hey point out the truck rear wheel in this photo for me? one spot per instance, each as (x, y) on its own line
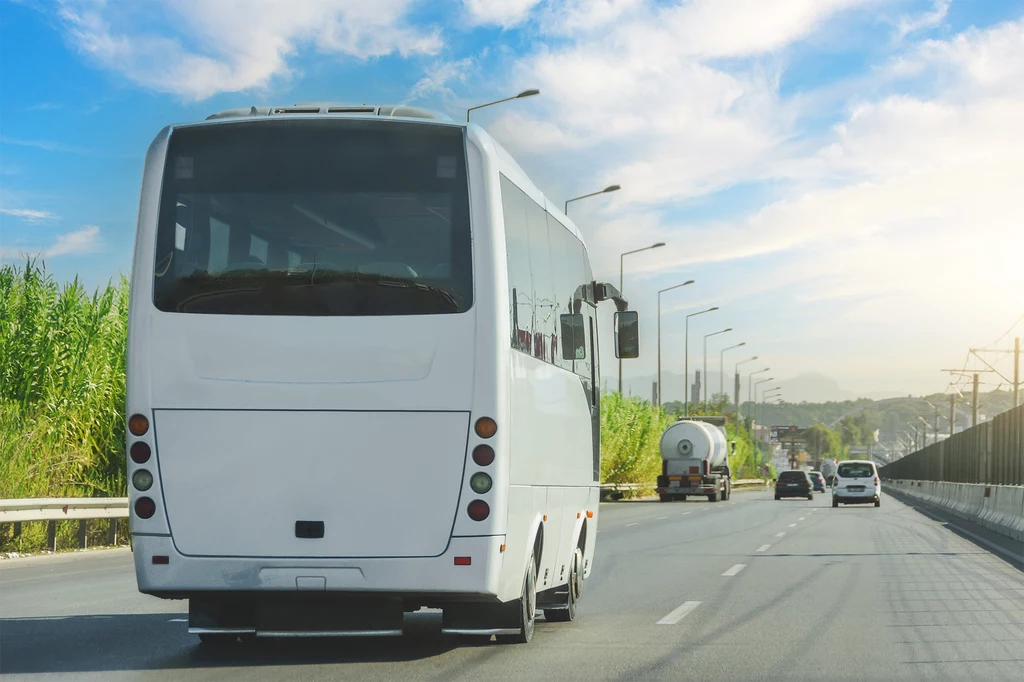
(713, 497)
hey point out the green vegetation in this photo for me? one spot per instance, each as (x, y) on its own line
(630, 432)
(61, 391)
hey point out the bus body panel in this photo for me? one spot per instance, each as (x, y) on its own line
(237, 482)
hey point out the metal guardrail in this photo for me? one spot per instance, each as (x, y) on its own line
(616, 491)
(54, 509)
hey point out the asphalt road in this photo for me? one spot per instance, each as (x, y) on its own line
(752, 589)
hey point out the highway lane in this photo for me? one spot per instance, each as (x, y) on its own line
(750, 589)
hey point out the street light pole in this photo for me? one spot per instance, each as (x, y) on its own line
(621, 256)
(750, 388)
(704, 382)
(739, 412)
(686, 370)
(721, 367)
(609, 188)
(659, 332)
(521, 95)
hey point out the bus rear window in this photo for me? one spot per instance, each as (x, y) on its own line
(314, 217)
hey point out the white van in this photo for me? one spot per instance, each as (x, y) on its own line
(857, 482)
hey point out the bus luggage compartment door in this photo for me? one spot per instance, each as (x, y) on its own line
(254, 483)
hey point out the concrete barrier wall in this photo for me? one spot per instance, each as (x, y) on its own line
(1000, 508)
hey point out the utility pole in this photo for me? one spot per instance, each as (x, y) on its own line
(952, 414)
(1016, 372)
(974, 402)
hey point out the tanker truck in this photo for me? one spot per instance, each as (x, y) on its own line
(694, 461)
(828, 471)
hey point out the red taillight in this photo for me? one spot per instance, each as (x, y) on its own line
(463, 561)
(145, 507)
(483, 455)
(140, 452)
(161, 560)
(876, 480)
(478, 510)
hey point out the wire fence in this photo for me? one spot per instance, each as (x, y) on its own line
(991, 453)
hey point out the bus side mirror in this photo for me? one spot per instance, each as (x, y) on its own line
(574, 338)
(627, 335)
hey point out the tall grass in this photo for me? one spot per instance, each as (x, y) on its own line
(630, 433)
(62, 363)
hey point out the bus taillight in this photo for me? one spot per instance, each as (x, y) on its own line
(140, 452)
(478, 510)
(138, 425)
(483, 455)
(145, 507)
(486, 427)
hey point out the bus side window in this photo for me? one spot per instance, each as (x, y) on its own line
(543, 284)
(517, 251)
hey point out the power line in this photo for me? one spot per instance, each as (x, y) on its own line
(1007, 333)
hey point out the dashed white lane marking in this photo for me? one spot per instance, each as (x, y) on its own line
(734, 570)
(178, 620)
(632, 524)
(779, 535)
(678, 613)
(792, 525)
(763, 548)
(685, 513)
(803, 518)
(661, 518)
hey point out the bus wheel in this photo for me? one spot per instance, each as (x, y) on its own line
(527, 607)
(574, 589)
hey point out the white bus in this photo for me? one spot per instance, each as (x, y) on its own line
(362, 378)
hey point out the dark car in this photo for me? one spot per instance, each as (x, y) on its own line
(794, 483)
(818, 481)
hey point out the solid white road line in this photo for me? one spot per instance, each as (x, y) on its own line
(679, 613)
(779, 535)
(178, 620)
(734, 570)
(763, 548)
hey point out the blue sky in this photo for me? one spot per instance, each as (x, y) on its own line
(833, 173)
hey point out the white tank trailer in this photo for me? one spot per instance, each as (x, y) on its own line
(828, 471)
(694, 461)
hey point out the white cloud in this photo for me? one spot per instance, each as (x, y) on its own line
(85, 240)
(29, 215)
(912, 24)
(196, 48)
(504, 13)
(440, 75)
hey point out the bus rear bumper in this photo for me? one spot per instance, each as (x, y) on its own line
(163, 572)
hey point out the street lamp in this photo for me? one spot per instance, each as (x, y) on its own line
(686, 370)
(765, 396)
(609, 188)
(705, 380)
(750, 389)
(659, 332)
(521, 95)
(739, 412)
(916, 431)
(621, 256)
(721, 367)
(758, 383)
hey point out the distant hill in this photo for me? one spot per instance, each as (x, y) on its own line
(890, 416)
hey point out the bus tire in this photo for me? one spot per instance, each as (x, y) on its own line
(527, 607)
(574, 589)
